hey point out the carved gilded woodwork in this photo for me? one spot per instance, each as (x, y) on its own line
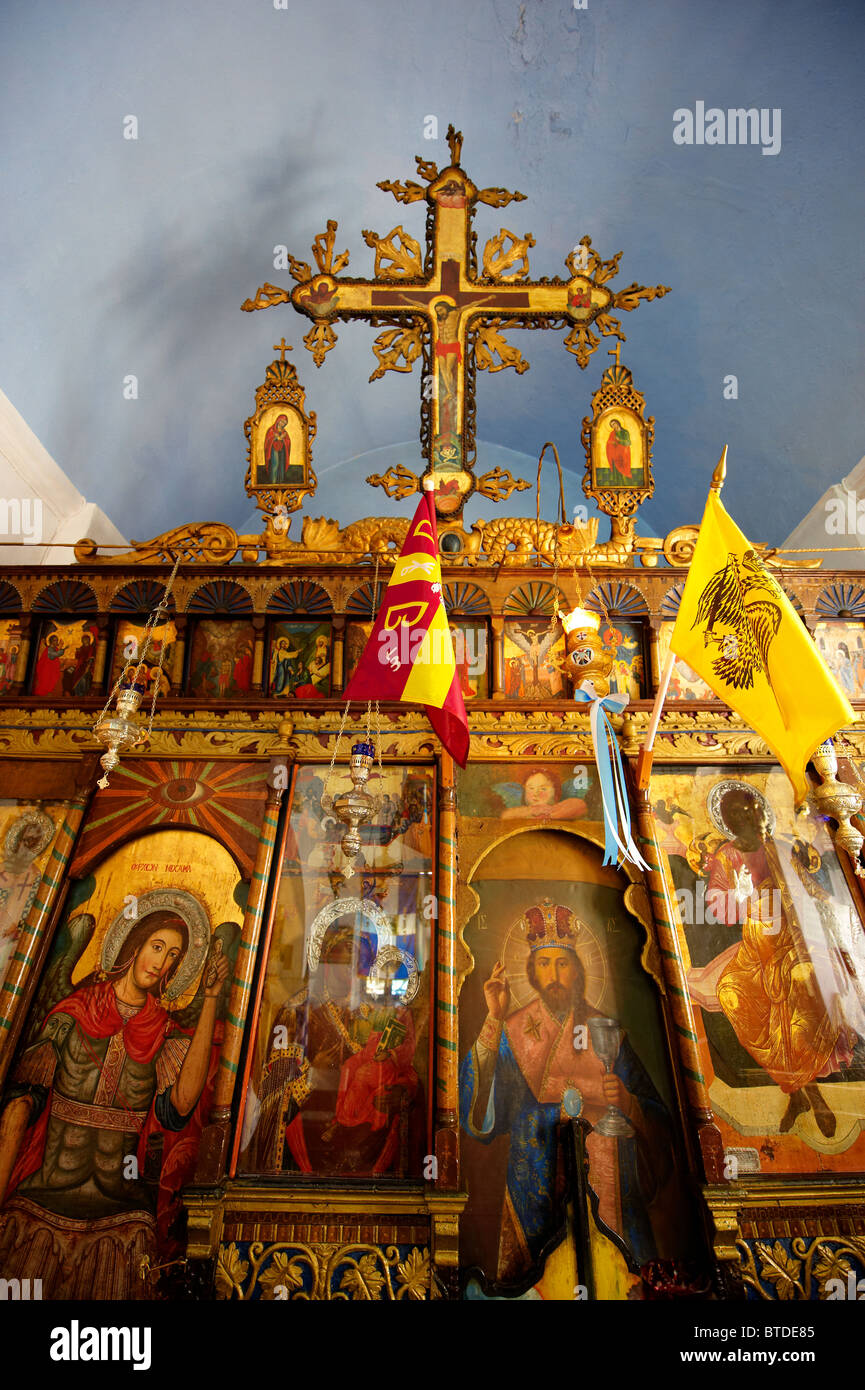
(280, 405)
(356, 1272)
(783, 1240)
(618, 475)
(437, 293)
(256, 1234)
(701, 736)
(396, 350)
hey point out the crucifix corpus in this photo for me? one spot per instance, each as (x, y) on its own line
(433, 304)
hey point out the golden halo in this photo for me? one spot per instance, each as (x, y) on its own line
(187, 906)
(588, 949)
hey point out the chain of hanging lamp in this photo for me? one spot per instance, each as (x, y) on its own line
(116, 727)
(356, 806)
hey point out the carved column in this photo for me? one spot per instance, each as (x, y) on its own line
(497, 675)
(101, 657)
(177, 656)
(258, 654)
(337, 660)
(23, 655)
(662, 893)
(213, 1150)
(447, 1036)
(20, 979)
(655, 652)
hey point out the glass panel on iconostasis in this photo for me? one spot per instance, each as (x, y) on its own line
(775, 958)
(685, 683)
(842, 645)
(340, 1074)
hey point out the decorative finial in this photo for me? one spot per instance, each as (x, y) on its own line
(720, 473)
(614, 352)
(282, 348)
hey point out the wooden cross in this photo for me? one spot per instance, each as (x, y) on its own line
(282, 348)
(614, 352)
(441, 306)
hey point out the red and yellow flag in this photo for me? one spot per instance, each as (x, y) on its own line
(410, 656)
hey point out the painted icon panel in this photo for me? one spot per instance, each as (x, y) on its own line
(65, 654)
(625, 643)
(10, 648)
(129, 637)
(115, 1071)
(618, 453)
(299, 663)
(221, 657)
(533, 652)
(565, 1085)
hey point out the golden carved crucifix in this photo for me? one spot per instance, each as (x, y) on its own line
(440, 307)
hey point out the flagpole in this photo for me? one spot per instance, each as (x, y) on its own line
(646, 754)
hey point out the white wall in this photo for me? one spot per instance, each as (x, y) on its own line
(39, 505)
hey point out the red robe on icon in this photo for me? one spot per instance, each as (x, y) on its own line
(619, 451)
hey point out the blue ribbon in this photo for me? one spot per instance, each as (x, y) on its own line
(611, 774)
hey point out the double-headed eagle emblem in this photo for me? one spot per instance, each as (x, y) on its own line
(741, 600)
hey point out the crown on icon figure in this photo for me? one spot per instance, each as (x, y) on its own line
(551, 924)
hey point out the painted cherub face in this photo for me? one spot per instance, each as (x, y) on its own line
(539, 790)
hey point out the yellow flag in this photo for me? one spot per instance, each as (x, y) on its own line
(739, 630)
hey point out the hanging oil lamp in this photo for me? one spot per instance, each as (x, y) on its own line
(838, 800)
(355, 806)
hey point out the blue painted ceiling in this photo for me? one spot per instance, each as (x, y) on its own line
(256, 124)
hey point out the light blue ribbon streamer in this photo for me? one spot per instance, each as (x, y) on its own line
(611, 774)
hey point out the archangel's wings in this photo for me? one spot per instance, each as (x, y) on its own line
(228, 933)
(547, 642)
(57, 982)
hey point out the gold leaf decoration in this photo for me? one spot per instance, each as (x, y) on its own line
(830, 1264)
(231, 1271)
(506, 256)
(282, 1272)
(413, 1274)
(364, 1280)
(319, 341)
(779, 1269)
(399, 250)
(491, 343)
(393, 346)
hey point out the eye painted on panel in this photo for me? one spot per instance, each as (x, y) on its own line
(184, 791)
